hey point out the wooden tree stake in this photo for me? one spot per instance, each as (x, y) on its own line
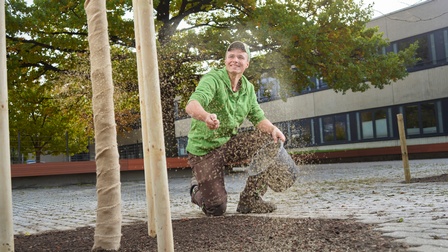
(155, 145)
(6, 223)
(404, 148)
(145, 125)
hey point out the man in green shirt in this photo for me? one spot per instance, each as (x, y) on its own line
(223, 99)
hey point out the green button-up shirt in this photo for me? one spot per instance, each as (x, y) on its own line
(215, 94)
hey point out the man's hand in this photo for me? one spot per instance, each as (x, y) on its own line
(212, 121)
(277, 135)
(195, 110)
(266, 126)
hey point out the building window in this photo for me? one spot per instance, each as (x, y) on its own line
(440, 112)
(327, 129)
(294, 140)
(131, 151)
(412, 125)
(445, 39)
(334, 128)
(422, 118)
(429, 118)
(179, 113)
(307, 131)
(300, 133)
(432, 49)
(366, 125)
(182, 146)
(341, 128)
(381, 123)
(440, 50)
(269, 89)
(374, 124)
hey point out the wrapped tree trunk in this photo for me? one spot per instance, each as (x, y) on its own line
(108, 223)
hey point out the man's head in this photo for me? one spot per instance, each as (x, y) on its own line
(241, 46)
(237, 58)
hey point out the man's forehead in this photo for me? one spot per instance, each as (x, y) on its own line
(237, 53)
(236, 50)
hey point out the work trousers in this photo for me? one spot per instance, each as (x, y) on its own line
(209, 171)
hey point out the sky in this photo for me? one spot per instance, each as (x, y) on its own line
(382, 7)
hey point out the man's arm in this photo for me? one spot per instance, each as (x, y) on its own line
(266, 126)
(196, 111)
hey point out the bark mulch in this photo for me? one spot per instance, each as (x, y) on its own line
(234, 233)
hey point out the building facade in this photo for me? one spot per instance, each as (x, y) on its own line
(321, 119)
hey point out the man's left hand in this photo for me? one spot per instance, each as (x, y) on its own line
(277, 134)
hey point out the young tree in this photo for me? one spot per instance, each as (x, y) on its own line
(49, 80)
(48, 119)
(321, 38)
(108, 223)
(324, 39)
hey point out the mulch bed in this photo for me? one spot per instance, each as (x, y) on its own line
(234, 233)
(230, 233)
(440, 178)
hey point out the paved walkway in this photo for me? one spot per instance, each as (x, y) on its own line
(416, 213)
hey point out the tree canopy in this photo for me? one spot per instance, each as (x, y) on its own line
(291, 40)
(324, 39)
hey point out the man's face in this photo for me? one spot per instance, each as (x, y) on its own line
(236, 61)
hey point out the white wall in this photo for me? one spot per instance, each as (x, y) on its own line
(428, 16)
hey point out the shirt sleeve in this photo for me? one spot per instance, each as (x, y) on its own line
(205, 91)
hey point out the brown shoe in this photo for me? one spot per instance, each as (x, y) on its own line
(255, 205)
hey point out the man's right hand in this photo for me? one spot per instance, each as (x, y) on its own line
(212, 121)
(195, 110)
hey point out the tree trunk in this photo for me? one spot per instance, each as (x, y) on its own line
(108, 223)
(38, 154)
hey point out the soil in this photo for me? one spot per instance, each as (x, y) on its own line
(234, 233)
(230, 233)
(440, 178)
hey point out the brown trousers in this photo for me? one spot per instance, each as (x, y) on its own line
(209, 171)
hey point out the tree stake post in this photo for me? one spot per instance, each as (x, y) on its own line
(155, 145)
(145, 125)
(6, 223)
(404, 148)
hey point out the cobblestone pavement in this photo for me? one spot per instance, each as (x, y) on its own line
(374, 192)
